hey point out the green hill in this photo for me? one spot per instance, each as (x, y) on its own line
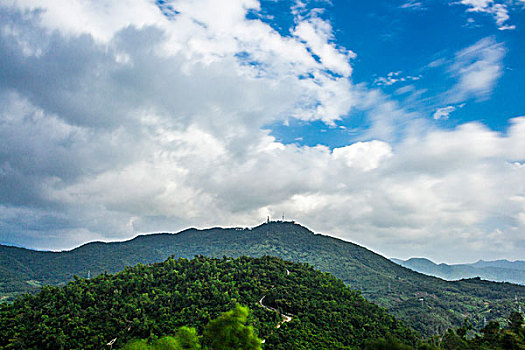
(156, 300)
(428, 304)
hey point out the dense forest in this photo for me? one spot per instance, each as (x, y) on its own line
(147, 302)
(492, 337)
(430, 305)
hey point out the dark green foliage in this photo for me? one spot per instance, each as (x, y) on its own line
(492, 337)
(164, 343)
(229, 331)
(381, 281)
(145, 302)
(516, 323)
(386, 344)
(451, 340)
(187, 338)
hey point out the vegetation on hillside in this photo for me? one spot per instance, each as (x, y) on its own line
(229, 331)
(148, 302)
(491, 337)
(430, 305)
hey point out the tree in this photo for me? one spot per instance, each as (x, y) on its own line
(229, 331)
(491, 332)
(387, 344)
(463, 330)
(452, 341)
(187, 338)
(516, 322)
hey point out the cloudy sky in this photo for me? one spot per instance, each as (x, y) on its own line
(395, 124)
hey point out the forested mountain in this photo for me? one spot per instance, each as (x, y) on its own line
(498, 271)
(153, 301)
(428, 304)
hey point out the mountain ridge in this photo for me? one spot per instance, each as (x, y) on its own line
(376, 277)
(497, 270)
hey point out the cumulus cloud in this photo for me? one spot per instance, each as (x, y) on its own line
(497, 10)
(363, 155)
(477, 69)
(145, 105)
(114, 124)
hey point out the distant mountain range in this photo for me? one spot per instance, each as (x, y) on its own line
(497, 270)
(430, 305)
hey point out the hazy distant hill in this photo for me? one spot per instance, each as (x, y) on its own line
(156, 300)
(499, 270)
(427, 303)
(505, 264)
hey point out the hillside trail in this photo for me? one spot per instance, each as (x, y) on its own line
(285, 317)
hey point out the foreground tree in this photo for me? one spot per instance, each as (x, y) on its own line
(230, 331)
(186, 339)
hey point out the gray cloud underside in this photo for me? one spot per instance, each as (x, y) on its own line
(158, 126)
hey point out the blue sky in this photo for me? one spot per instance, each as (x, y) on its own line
(398, 125)
(406, 48)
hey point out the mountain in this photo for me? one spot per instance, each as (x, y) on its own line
(498, 271)
(145, 301)
(430, 305)
(505, 264)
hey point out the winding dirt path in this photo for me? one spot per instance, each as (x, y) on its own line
(285, 317)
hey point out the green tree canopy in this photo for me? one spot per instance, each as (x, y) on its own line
(230, 331)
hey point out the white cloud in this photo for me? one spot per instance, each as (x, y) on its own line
(101, 19)
(477, 68)
(497, 10)
(363, 155)
(393, 78)
(412, 5)
(114, 125)
(120, 108)
(317, 34)
(443, 112)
